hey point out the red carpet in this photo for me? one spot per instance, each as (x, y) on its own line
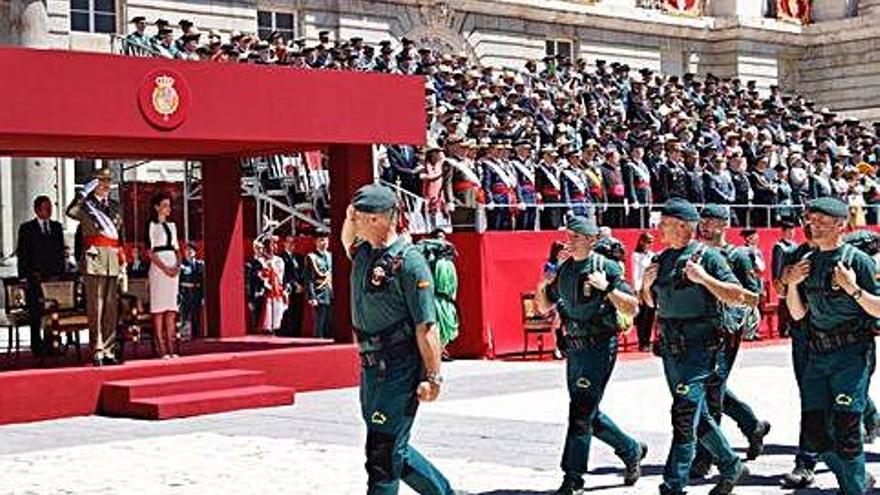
(38, 394)
(191, 394)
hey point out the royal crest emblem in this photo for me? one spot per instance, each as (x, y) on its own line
(165, 98)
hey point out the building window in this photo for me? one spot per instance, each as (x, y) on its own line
(283, 22)
(93, 16)
(561, 48)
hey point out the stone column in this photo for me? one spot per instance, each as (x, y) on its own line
(31, 177)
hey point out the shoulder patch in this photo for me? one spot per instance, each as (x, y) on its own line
(423, 284)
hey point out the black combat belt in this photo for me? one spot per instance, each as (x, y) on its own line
(579, 342)
(828, 341)
(393, 343)
(190, 285)
(679, 344)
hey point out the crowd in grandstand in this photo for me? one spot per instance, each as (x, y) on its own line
(527, 146)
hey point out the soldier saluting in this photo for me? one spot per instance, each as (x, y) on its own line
(393, 312)
(100, 219)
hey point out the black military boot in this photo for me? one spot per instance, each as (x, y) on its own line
(726, 486)
(756, 440)
(633, 471)
(701, 466)
(570, 487)
(800, 477)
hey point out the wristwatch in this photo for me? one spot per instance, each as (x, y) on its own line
(857, 294)
(434, 379)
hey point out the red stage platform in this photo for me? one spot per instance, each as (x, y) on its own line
(268, 365)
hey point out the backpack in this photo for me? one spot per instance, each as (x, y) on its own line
(864, 240)
(434, 251)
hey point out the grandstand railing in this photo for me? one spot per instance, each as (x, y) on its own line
(120, 45)
(648, 216)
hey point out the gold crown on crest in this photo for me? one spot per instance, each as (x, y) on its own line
(165, 81)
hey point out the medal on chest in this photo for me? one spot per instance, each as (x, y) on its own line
(378, 276)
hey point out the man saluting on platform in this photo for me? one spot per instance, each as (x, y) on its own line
(100, 219)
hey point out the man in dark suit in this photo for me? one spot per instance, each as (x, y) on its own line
(291, 324)
(40, 256)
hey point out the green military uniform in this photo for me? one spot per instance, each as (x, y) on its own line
(100, 220)
(690, 324)
(840, 346)
(590, 321)
(391, 294)
(719, 398)
(805, 461)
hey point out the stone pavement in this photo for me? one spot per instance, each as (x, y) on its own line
(498, 430)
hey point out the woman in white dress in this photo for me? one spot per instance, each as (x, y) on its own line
(164, 270)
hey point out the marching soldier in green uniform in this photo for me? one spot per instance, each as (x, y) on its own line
(714, 220)
(100, 219)
(833, 294)
(392, 301)
(805, 461)
(588, 291)
(688, 284)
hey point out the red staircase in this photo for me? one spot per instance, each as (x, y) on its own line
(191, 394)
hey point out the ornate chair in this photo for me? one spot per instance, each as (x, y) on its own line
(16, 314)
(534, 323)
(66, 313)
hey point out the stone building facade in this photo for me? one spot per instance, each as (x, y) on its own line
(834, 61)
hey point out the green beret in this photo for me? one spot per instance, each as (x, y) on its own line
(582, 225)
(374, 198)
(714, 211)
(681, 209)
(832, 207)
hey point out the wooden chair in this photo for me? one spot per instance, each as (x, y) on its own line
(534, 323)
(65, 308)
(16, 313)
(135, 320)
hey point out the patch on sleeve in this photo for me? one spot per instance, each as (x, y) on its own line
(423, 284)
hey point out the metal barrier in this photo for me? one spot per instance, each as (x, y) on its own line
(122, 46)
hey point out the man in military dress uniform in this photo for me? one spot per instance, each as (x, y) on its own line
(192, 271)
(588, 291)
(319, 285)
(138, 38)
(100, 219)
(833, 293)
(714, 220)
(464, 186)
(392, 301)
(686, 285)
(781, 249)
(500, 187)
(524, 167)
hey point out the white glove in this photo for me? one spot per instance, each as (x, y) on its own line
(91, 186)
(599, 280)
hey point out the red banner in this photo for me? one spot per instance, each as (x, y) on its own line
(690, 8)
(796, 11)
